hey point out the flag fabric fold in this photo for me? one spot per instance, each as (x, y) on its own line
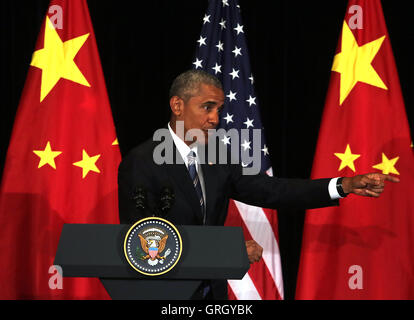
(363, 248)
(62, 160)
(222, 51)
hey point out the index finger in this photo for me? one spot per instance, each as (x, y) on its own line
(391, 178)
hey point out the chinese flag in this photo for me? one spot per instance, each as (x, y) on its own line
(62, 160)
(362, 249)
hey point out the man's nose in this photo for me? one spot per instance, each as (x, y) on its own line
(214, 118)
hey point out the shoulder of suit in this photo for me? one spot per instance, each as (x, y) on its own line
(139, 154)
(144, 148)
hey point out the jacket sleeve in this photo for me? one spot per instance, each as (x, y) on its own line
(270, 192)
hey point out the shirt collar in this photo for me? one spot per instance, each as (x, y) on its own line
(182, 148)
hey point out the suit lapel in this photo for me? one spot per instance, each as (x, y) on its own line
(211, 185)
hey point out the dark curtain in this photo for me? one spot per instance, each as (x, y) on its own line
(144, 44)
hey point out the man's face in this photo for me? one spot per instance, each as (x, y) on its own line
(202, 110)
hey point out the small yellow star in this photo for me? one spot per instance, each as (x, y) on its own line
(47, 156)
(354, 63)
(347, 158)
(387, 166)
(56, 60)
(115, 143)
(87, 163)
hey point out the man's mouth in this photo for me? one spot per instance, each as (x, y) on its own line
(209, 131)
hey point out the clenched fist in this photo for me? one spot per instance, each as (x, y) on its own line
(254, 251)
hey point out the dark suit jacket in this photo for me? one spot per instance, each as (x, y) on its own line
(222, 182)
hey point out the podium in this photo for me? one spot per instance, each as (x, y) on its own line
(96, 251)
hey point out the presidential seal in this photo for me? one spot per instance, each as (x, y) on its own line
(153, 246)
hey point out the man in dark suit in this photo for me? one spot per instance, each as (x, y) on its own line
(203, 188)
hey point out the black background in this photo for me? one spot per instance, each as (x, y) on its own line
(143, 45)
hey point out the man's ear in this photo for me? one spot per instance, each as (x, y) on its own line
(176, 105)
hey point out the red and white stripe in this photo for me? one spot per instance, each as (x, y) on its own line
(264, 279)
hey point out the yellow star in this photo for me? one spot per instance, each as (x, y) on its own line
(347, 158)
(115, 143)
(387, 166)
(87, 163)
(47, 156)
(56, 60)
(354, 63)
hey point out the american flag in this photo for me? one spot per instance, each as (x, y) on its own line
(222, 51)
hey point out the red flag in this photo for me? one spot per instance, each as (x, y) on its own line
(363, 248)
(62, 161)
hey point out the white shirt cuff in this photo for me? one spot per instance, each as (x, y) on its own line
(333, 192)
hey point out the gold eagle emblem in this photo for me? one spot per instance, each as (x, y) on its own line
(153, 248)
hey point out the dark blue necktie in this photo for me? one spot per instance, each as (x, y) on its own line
(196, 182)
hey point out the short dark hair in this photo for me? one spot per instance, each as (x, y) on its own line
(186, 84)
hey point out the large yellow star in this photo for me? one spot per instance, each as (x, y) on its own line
(354, 63)
(56, 60)
(387, 166)
(47, 156)
(347, 158)
(87, 163)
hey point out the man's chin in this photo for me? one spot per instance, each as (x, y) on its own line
(203, 139)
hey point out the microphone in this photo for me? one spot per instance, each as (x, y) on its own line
(166, 201)
(140, 198)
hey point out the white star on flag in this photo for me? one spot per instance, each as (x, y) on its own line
(222, 24)
(234, 74)
(251, 79)
(220, 46)
(202, 41)
(239, 29)
(251, 100)
(232, 96)
(226, 140)
(216, 68)
(265, 150)
(237, 51)
(206, 19)
(228, 118)
(246, 145)
(197, 63)
(248, 123)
